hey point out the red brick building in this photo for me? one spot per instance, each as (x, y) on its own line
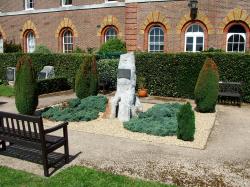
(145, 25)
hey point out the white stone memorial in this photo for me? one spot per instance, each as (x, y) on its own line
(125, 104)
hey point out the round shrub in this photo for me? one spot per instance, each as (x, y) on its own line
(207, 87)
(42, 49)
(112, 46)
(86, 81)
(26, 96)
(186, 123)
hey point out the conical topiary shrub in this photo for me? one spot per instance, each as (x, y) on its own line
(86, 81)
(26, 96)
(186, 123)
(207, 87)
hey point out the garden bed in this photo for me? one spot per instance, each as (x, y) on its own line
(113, 127)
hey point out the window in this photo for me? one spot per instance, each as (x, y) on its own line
(156, 39)
(108, 1)
(1, 44)
(29, 4)
(194, 38)
(110, 33)
(66, 2)
(67, 41)
(236, 39)
(31, 42)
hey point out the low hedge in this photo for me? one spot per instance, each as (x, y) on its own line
(53, 85)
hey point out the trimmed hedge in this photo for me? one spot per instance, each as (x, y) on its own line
(53, 85)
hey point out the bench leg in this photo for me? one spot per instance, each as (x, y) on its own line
(45, 163)
(66, 145)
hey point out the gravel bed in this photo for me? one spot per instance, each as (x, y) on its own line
(113, 127)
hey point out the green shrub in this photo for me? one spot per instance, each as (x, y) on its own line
(53, 85)
(78, 50)
(107, 69)
(207, 87)
(11, 47)
(42, 49)
(86, 81)
(26, 96)
(113, 45)
(160, 120)
(86, 109)
(186, 123)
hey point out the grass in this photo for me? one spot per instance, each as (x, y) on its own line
(74, 176)
(7, 91)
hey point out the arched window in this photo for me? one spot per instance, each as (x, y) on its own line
(111, 32)
(1, 43)
(30, 42)
(236, 39)
(67, 41)
(194, 38)
(156, 39)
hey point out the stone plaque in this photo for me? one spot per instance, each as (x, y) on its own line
(124, 73)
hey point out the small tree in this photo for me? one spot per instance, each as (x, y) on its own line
(207, 87)
(186, 123)
(26, 96)
(113, 45)
(86, 81)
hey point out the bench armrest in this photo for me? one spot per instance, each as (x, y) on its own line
(57, 127)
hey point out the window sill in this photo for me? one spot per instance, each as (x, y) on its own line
(29, 9)
(67, 5)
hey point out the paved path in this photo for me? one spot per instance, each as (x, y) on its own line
(225, 161)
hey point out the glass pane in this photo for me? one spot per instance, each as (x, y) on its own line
(236, 38)
(236, 29)
(190, 40)
(161, 38)
(157, 47)
(200, 29)
(151, 38)
(189, 47)
(235, 47)
(190, 29)
(151, 48)
(157, 31)
(157, 38)
(242, 39)
(161, 47)
(199, 40)
(230, 39)
(195, 28)
(199, 47)
(230, 47)
(241, 47)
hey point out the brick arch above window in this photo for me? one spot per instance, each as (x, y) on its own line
(2, 33)
(109, 21)
(155, 17)
(200, 17)
(235, 15)
(66, 23)
(29, 25)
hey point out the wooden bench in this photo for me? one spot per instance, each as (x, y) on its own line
(230, 93)
(28, 131)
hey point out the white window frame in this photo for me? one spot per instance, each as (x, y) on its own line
(113, 36)
(156, 43)
(194, 35)
(63, 36)
(30, 41)
(64, 5)
(240, 34)
(28, 2)
(1, 44)
(108, 1)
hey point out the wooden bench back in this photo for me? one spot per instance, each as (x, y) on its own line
(21, 126)
(231, 87)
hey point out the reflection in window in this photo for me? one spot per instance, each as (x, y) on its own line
(236, 39)
(156, 39)
(31, 42)
(194, 38)
(110, 33)
(67, 41)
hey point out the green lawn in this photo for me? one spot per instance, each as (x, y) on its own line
(74, 176)
(7, 91)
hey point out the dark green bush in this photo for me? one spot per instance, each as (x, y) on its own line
(86, 109)
(26, 96)
(42, 49)
(11, 47)
(86, 81)
(113, 45)
(207, 87)
(160, 120)
(53, 85)
(186, 123)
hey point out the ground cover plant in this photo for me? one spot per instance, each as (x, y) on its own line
(74, 176)
(86, 109)
(160, 120)
(6, 90)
